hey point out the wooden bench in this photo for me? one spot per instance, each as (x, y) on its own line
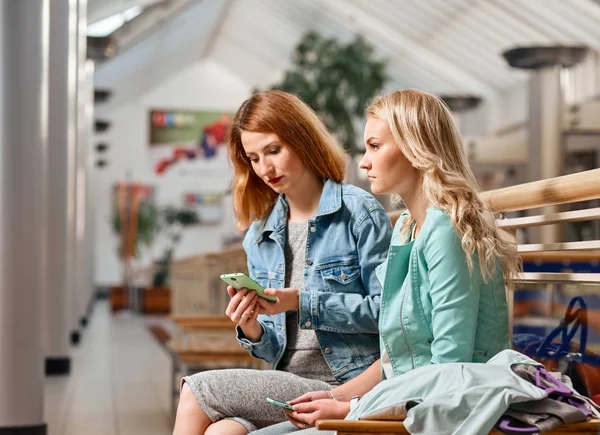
(573, 188)
(364, 427)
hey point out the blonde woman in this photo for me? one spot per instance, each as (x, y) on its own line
(314, 243)
(443, 296)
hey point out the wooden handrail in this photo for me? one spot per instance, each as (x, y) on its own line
(582, 186)
(558, 256)
(202, 323)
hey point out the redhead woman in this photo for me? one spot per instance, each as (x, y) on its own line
(314, 243)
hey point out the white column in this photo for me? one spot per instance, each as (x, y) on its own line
(58, 299)
(23, 146)
(80, 291)
(546, 145)
(91, 184)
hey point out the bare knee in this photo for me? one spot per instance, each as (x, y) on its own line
(226, 426)
(190, 418)
(186, 397)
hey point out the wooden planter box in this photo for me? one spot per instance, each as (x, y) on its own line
(151, 300)
(156, 300)
(119, 298)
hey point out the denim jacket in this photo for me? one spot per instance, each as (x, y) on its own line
(347, 239)
(433, 309)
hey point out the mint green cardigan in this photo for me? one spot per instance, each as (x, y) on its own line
(433, 310)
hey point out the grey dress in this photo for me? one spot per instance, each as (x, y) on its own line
(240, 394)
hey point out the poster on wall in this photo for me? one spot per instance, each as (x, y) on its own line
(188, 142)
(208, 206)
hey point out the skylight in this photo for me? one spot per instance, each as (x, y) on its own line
(108, 25)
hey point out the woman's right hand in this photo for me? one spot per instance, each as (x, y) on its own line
(243, 309)
(309, 397)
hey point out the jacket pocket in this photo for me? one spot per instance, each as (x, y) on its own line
(268, 279)
(342, 278)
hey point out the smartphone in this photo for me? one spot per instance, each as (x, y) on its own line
(280, 404)
(240, 280)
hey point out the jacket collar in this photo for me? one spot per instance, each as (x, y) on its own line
(330, 202)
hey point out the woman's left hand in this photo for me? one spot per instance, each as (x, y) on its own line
(287, 300)
(306, 414)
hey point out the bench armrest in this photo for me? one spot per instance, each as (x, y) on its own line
(363, 427)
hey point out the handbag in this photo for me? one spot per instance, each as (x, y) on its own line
(559, 351)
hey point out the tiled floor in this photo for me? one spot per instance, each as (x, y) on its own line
(119, 382)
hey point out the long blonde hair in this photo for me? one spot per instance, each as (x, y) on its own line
(424, 130)
(299, 128)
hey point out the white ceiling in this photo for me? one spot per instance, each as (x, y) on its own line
(443, 46)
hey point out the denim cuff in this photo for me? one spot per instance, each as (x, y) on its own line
(308, 310)
(247, 344)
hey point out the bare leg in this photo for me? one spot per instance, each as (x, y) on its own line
(190, 419)
(226, 427)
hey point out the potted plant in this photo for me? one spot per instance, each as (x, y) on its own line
(153, 222)
(173, 221)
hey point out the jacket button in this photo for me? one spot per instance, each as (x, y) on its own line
(313, 229)
(327, 350)
(343, 276)
(307, 324)
(309, 261)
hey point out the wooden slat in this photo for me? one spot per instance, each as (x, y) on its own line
(576, 278)
(196, 323)
(561, 256)
(363, 427)
(565, 246)
(551, 218)
(200, 357)
(582, 186)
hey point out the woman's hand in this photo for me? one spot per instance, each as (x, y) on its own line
(309, 397)
(287, 300)
(243, 310)
(306, 414)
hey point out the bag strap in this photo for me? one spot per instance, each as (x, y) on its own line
(578, 319)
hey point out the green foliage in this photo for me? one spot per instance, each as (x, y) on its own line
(337, 80)
(172, 216)
(153, 221)
(182, 216)
(148, 225)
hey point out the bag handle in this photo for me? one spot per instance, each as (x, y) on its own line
(578, 319)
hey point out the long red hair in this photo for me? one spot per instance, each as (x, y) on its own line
(297, 127)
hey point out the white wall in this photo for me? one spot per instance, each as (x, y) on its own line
(203, 85)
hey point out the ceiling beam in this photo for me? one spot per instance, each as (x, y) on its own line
(153, 18)
(100, 9)
(403, 45)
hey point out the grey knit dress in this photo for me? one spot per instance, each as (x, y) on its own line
(240, 394)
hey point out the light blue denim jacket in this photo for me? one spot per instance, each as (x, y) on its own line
(347, 239)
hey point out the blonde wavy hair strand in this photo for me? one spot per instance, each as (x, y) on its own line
(423, 128)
